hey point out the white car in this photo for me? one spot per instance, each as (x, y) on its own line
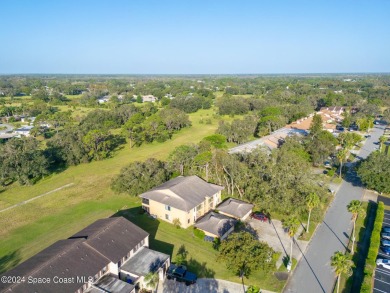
(384, 263)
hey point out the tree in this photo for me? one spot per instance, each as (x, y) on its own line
(22, 160)
(134, 130)
(355, 207)
(182, 157)
(312, 201)
(341, 157)
(291, 224)
(320, 145)
(315, 126)
(98, 144)
(374, 172)
(243, 253)
(342, 265)
(151, 280)
(139, 177)
(382, 141)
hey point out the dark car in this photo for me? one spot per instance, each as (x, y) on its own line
(386, 250)
(386, 229)
(180, 274)
(259, 216)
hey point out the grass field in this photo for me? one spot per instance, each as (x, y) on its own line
(27, 229)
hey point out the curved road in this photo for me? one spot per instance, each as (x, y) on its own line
(314, 272)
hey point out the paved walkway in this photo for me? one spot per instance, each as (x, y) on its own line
(202, 286)
(34, 198)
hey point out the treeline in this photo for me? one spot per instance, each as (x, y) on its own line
(26, 161)
(279, 182)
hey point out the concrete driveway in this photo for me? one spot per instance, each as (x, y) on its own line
(201, 286)
(273, 234)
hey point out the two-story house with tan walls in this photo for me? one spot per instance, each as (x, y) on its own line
(185, 198)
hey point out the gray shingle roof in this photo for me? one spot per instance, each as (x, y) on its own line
(84, 254)
(183, 193)
(110, 283)
(112, 237)
(235, 207)
(215, 223)
(144, 262)
(70, 258)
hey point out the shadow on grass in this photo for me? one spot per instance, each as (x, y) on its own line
(9, 261)
(137, 216)
(200, 268)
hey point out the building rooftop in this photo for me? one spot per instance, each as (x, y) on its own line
(215, 223)
(144, 262)
(235, 207)
(183, 193)
(110, 283)
(112, 237)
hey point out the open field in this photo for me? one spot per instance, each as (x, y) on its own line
(26, 230)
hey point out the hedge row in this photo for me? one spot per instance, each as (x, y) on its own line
(373, 250)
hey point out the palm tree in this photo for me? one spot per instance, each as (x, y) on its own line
(341, 156)
(355, 207)
(312, 201)
(342, 264)
(291, 224)
(382, 140)
(151, 280)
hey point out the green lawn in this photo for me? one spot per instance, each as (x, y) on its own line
(202, 258)
(26, 230)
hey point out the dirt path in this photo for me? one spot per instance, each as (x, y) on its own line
(34, 198)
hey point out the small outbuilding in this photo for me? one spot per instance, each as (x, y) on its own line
(235, 208)
(216, 225)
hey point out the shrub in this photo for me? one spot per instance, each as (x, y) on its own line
(176, 223)
(253, 289)
(199, 233)
(373, 250)
(331, 173)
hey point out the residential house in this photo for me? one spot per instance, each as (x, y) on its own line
(216, 225)
(183, 198)
(25, 130)
(89, 261)
(149, 98)
(235, 208)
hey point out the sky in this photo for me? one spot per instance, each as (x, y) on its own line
(194, 37)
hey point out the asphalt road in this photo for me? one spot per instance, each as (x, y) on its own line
(314, 272)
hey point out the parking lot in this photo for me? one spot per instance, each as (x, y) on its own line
(274, 235)
(382, 275)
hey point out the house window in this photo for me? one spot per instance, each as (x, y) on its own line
(145, 201)
(168, 208)
(167, 217)
(188, 221)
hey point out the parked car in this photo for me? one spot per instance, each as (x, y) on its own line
(367, 136)
(180, 274)
(386, 250)
(386, 229)
(327, 164)
(384, 263)
(385, 236)
(259, 216)
(385, 243)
